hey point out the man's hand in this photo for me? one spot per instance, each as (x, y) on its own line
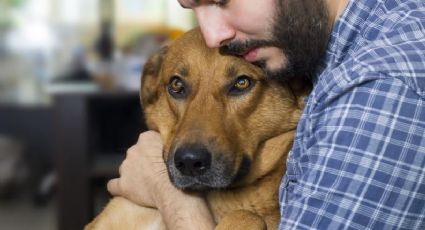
(144, 181)
(143, 172)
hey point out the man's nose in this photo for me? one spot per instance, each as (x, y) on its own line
(216, 30)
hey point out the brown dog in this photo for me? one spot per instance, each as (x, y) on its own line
(226, 128)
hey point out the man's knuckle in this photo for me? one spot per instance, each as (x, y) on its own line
(131, 151)
(120, 169)
(147, 136)
(143, 135)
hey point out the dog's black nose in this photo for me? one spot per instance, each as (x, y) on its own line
(193, 160)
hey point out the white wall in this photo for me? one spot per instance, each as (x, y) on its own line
(179, 17)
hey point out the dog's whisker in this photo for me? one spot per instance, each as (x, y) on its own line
(154, 156)
(162, 172)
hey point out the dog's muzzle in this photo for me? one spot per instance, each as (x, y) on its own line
(193, 161)
(195, 167)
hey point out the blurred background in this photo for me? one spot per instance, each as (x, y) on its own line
(69, 108)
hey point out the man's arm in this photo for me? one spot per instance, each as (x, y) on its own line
(362, 165)
(182, 211)
(144, 180)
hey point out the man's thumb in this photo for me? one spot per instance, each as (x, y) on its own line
(113, 187)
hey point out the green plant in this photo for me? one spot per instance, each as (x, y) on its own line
(5, 17)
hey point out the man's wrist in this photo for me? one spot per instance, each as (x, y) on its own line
(181, 210)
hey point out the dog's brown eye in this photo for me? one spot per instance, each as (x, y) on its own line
(176, 87)
(241, 85)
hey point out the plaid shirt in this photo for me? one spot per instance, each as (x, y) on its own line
(358, 160)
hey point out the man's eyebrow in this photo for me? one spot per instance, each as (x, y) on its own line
(192, 4)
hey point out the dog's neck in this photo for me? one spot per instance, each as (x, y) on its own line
(271, 154)
(259, 190)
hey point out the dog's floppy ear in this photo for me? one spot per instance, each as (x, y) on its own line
(300, 88)
(150, 78)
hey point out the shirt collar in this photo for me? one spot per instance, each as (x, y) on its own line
(345, 32)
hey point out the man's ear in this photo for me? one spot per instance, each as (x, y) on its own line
(150, 77)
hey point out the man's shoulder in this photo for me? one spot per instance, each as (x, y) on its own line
(389, 45)
(400, 56)
(393, 41)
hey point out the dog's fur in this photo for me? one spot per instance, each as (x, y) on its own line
(247, 132)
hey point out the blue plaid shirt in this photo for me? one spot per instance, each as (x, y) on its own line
(358, 160)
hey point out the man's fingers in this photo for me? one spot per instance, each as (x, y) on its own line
(113, 187)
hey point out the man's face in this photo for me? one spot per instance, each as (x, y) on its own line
(285, 37)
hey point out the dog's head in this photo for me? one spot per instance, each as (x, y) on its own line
(214, 112)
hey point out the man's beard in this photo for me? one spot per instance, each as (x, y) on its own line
(301, 30)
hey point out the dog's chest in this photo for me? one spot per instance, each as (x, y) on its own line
(261, 200)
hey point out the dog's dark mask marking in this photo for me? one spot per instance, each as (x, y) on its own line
(243, 169)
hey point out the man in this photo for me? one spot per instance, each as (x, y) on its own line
(358, 160)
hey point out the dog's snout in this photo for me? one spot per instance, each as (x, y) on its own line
(192, 161)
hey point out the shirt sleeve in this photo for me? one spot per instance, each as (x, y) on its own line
(363, 163)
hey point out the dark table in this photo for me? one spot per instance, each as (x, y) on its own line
(92, 132)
